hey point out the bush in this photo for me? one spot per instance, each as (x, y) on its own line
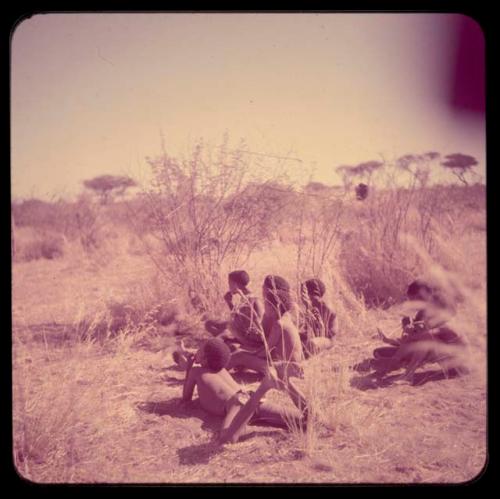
(209, 212)
(35, 245)
(378, 257)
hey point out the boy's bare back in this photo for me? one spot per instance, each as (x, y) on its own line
(214, 389)
(288, 347)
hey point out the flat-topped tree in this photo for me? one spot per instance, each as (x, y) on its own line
(109, 186)
(418, 165)
(459, 165)
(345, 171)
(361, 171)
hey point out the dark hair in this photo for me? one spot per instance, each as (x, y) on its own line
(315, 287)
(276, 283)
(217, 354)
(415, 287)
(240, 277)
(280, 299)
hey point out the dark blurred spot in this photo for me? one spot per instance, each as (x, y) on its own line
(468, 83)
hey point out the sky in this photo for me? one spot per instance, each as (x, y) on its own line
(93, 94)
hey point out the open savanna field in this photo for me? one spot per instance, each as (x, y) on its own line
(98, 307)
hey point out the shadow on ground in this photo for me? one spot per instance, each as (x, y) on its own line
(200, 453)
(177, 408)
(371, 382)
(203, 453)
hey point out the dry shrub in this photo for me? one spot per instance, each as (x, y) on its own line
(153, 319)
(379, 263)
(45, 414)
(31, 244)
(210, 209)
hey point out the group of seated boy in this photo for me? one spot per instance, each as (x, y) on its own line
(262, 335)
(272, 336)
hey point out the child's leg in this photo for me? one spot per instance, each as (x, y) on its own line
(419, 353)
(384, 352)
(242, 337)
(241, 358)
(226, 336)
(274, 415)
(297, 397)
(285, 372)
(416, 361)
(232, 408)
(216, 327)
(397, 361)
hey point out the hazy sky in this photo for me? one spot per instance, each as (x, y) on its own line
(91, 92)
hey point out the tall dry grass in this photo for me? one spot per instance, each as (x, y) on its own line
(365, 252)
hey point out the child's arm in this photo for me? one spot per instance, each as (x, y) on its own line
(190, 381)
(228, 298)
(259, 309)
(389, 341)
(332, 325)
(272, 341)
(274, 337)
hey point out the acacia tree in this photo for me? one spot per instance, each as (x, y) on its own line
(362, 171)
(418, 165)
(108, 187)
(459, 165)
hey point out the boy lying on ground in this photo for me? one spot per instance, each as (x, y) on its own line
(219, 393)
(318, 324)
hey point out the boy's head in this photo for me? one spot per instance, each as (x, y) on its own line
(275, 283)
(419, 290)
(213, 354)
(278, 302)
(238, 279)
(315, 288)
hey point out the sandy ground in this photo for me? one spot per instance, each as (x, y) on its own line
(85, 413)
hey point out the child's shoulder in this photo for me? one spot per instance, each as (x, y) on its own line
(325, 305)
(200, 371)
(286, 322)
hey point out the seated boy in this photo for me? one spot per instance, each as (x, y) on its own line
(420, 292)
(244, 325)
(254, 357)
(318, 324)
(422, 339)
(277, 283)
(219, 393)
(426, 347)
(246, 314)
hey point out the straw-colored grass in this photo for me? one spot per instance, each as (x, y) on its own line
(94, 410)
